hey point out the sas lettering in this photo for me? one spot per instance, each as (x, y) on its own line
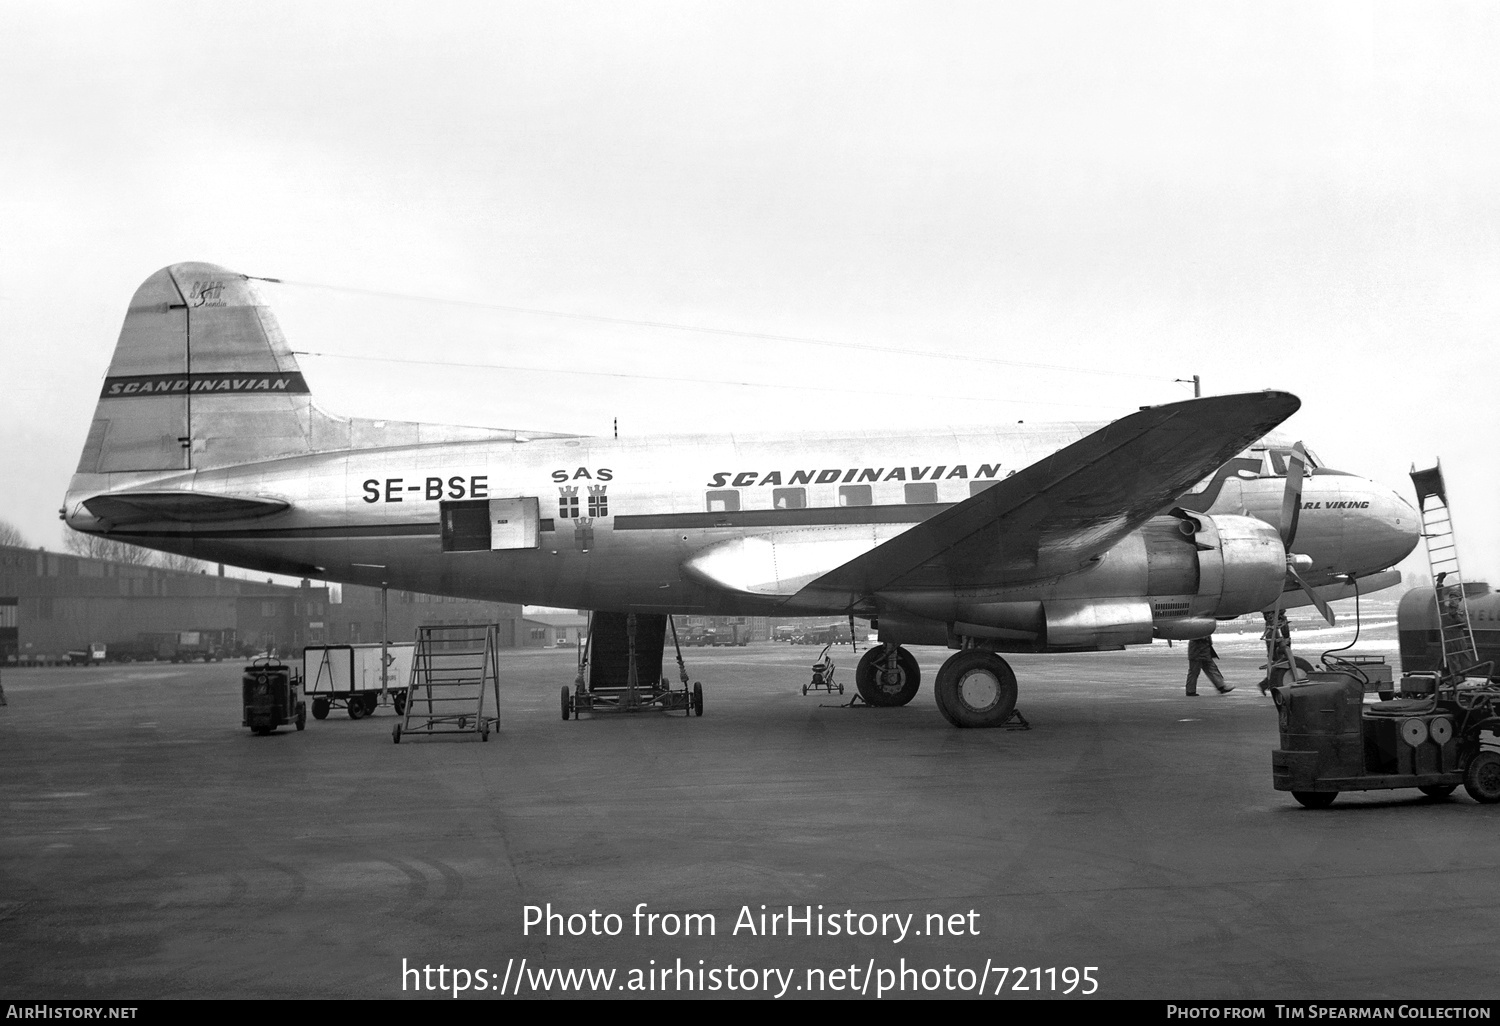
(431, 488)
(602, 473)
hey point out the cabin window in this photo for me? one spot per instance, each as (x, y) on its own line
(921, 491)
(789, 498)
(725, 501)
(975, 487)
(855, 495)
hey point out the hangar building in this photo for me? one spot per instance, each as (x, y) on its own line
(54, 603)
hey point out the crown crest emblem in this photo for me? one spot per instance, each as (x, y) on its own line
(597, 489)
(568, 491)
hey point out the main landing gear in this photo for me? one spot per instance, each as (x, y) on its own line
(887, 675)
(976, 688)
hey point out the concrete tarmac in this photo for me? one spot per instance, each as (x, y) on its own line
(152, 847)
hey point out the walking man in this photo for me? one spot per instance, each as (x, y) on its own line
(1202, 657)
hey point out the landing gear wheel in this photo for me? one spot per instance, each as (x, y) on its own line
(1315, 799)
(697, 699)
(398, 700)
(1438, 790)
(883, 684)
(1482, 778)
(301, 715)
(567, 703)
(356, 705)
(976, 689)
(396, 733)
(320, 708)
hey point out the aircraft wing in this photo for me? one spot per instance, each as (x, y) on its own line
(1059, 513)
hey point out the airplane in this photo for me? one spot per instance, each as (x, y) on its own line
(207, 442)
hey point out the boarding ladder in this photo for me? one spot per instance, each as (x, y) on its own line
(1459, 652)
(455, 673)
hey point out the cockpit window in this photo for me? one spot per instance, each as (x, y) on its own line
(1278, 460)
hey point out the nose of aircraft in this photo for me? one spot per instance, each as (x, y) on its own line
(1371, 527)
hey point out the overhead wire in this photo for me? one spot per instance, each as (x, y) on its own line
(774, 386)
(969, 358)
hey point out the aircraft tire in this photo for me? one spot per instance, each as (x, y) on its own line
(1315, 799)
(887, 693)
(1482, 778)
(975, 688)
(320, 708)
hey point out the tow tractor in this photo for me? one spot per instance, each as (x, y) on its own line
(271, 696)
(1431, 738)
(1441, 731)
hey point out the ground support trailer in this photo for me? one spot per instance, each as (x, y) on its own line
(350, 677)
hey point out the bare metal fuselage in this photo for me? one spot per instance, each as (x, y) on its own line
(653, 528)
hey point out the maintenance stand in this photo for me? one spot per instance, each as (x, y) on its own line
(454, 671)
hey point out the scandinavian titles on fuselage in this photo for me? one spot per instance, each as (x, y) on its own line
(396, 489)
(845, 475)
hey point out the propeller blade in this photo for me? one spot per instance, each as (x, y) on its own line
(1317, 600)
(1291, 497)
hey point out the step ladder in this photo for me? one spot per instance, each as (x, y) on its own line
(620, 668)
(455, 672)
(1460, 656)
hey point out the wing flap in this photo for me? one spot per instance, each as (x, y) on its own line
(1057, 514)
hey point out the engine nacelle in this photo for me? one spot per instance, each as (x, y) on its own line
(1241, 564)
(1174, 578)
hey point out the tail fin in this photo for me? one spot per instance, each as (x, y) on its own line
(201, 377)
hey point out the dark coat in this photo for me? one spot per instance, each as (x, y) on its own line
(1202, 650)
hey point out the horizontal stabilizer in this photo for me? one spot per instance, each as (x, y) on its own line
(186, 507)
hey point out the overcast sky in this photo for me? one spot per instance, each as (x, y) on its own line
(1298, 196)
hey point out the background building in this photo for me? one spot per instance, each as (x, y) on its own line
(53, 604)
